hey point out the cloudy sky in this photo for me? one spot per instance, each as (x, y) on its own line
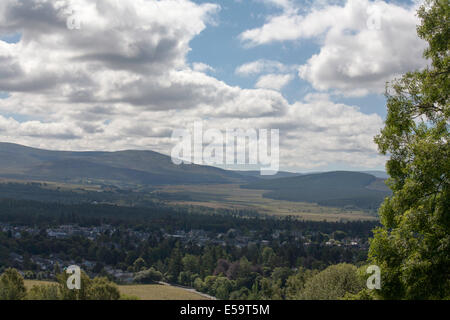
(135, 70)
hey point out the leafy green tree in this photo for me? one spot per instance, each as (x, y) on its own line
(365, 293)
(412, 247)
(269, 257)
(241, 294)
(99, 288)
(296, 283)
(44, 292)
(199, 285)
(339, 235)
(148, 276)
(56, 268)
(139, 264)
(255, 294)
(333, 283)
(224, 286)
(209, 285)
(187, 278)
(12, 286)
(270, 289)
(75, 294)
(103, 289)
(175, 265)
(281, 275)
(190, 263)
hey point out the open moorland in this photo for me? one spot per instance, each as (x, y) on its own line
(233, 196)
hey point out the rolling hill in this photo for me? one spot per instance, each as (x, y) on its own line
(257, 175)
(339, 189)
(121, 168)
(131, 168)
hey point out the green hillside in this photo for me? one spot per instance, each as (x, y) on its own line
(340, 188)
(120, 168)
(257, 175)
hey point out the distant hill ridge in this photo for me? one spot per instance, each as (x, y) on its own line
(338, 188)
(119, 168)
(132, 168)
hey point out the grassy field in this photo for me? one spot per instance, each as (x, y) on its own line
(143, 292)
(159, 292)
(55, 185)
(232, 196)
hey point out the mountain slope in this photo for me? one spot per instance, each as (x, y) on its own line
(118, 168)
(377, 173)
(340, 188)
(257, 174)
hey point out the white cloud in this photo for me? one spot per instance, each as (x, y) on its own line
(262, 66)
(37, 129)
(202, 67)
(273, 81)
(124, 83)
(284, 4)
(317, 132)
(363, 44)
(326, 132)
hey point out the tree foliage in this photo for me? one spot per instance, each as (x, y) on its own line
(148, 276)
(413, 245)
(333, 283)
(12, 286)
(44, 292)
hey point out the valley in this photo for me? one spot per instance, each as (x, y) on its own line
(141, 178)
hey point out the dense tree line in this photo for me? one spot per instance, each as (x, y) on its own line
(275, 270)
(162, 216)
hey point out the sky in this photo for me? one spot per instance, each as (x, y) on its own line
(123, 74)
